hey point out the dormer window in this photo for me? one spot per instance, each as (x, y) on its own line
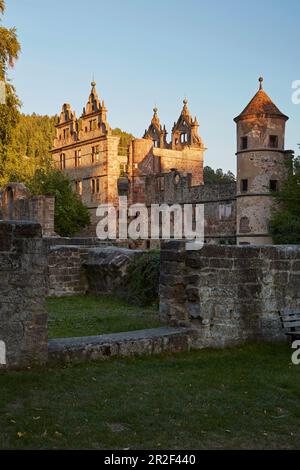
(244, 143)
(273, 141)
(155, 143)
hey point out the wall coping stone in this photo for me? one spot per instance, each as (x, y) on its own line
(153, 340)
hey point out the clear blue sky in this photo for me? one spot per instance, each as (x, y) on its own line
(146, 53)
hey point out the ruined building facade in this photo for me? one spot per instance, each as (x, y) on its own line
(157, 171)
(88, 152)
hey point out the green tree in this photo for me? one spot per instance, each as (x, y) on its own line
(9, 114)
(125, 140)
(212, 176)
(285, 221)
(32, 138)
(70, 213)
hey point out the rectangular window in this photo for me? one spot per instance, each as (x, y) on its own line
(225, 211)
(77, 158)
(123, 169)
(98, 185)
(273, 185)
(244, 186)
(273, 141)
(93, 186)
(244, 143)
(62, 161)
(79, 187)
(93, 154)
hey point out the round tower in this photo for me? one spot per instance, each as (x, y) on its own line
(261, 166)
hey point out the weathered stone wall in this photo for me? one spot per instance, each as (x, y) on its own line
(41, 210)
(130, 343)
(23, 320)
(16, 203)
(66, 275)
(106, 269)
(229, 294)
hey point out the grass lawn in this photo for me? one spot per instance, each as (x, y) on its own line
(91, 315)
(244, 398)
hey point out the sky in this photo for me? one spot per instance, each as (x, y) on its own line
(155, 53)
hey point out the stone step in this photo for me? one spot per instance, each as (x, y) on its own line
(129, 343)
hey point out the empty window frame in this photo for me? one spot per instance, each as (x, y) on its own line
(244, 185)
(244, 143)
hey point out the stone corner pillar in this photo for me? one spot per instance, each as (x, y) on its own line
(23, 318)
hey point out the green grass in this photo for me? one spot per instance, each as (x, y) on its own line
(243, 398)
(90, 315)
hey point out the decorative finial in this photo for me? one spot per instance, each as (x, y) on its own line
(185, 101)
(93, 84)
(155, 110)
(261, 79)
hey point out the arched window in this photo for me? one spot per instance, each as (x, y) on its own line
(244, 225)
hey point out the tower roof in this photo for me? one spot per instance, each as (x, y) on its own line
(261, 104)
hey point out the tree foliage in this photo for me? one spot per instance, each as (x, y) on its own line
(9, 109)
(125, 140)
(285, 222)
(212, 176)
(70, 213)
(29, 148)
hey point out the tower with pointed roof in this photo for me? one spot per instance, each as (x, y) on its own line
(261, 166)
(185, 131)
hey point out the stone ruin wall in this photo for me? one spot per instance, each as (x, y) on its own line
(221, 295)
(229, 294)
(16, 203)
(219, 202)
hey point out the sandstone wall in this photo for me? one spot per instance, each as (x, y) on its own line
(66, 275)
(107, 268)
(219, 202)
(229, 294)
(23, 319)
